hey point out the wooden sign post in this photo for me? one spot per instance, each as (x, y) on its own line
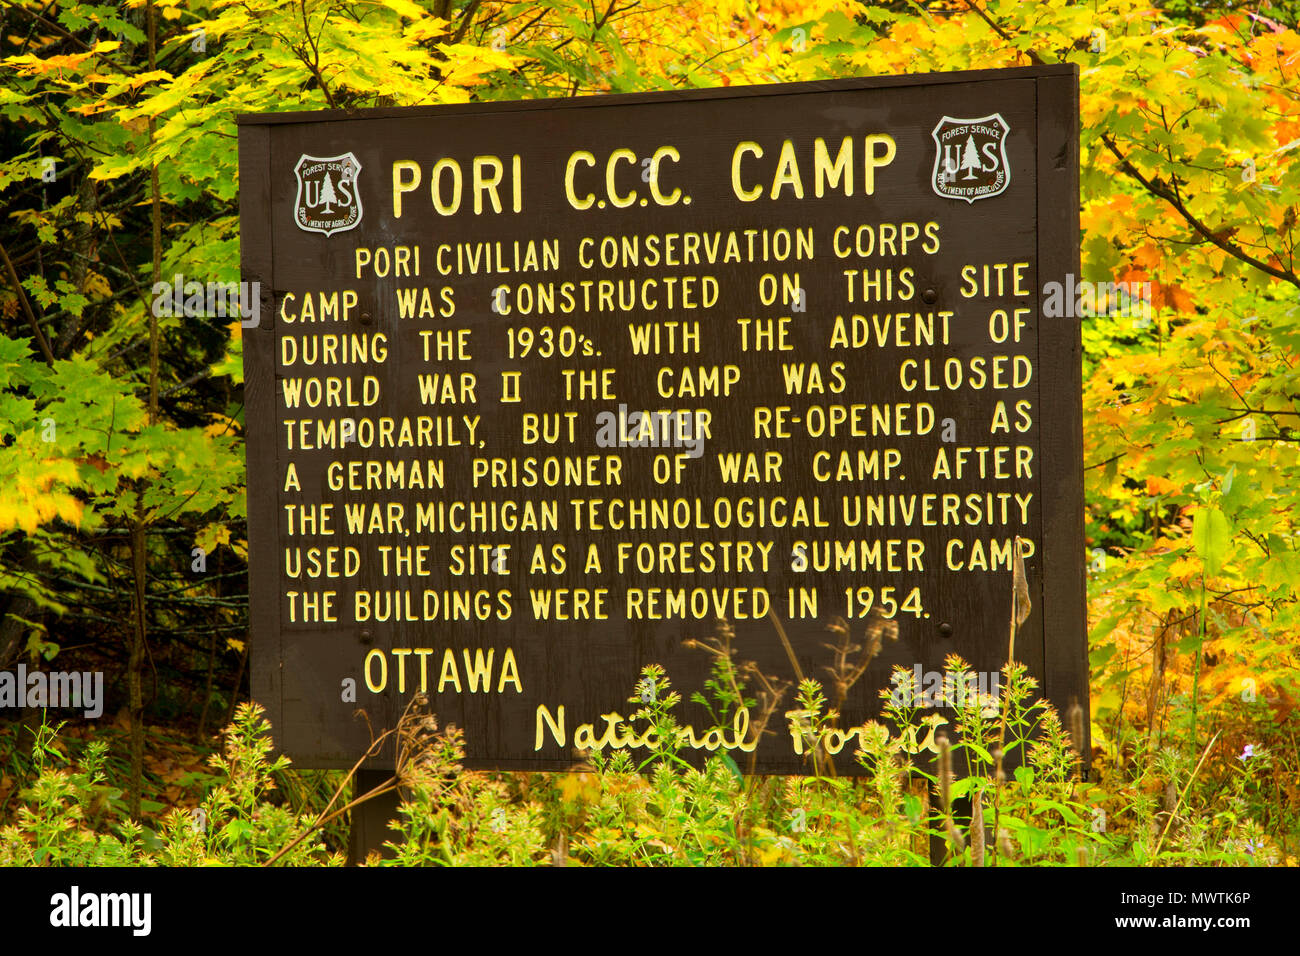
(540, 390)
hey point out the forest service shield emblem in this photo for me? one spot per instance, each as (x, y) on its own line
(970, 160)
(329, 200)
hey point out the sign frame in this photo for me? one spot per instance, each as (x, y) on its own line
(1058, 587)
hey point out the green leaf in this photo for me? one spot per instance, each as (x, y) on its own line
(961, 787)
(731, 765)
(912, 806)
(1211, 536)
(235, 830)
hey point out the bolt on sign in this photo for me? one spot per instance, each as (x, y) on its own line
(542, 390)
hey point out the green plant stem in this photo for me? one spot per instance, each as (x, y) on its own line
(1196, 667)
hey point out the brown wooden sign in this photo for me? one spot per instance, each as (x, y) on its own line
(540, 390)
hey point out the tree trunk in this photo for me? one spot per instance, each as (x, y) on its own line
(135, 659)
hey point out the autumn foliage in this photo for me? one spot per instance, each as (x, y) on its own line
(121, 431)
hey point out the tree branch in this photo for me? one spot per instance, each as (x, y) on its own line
(1033, 57)
(27, 307)
(1159, 189)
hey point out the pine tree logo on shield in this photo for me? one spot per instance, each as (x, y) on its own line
(970, 160)
(328, 198)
